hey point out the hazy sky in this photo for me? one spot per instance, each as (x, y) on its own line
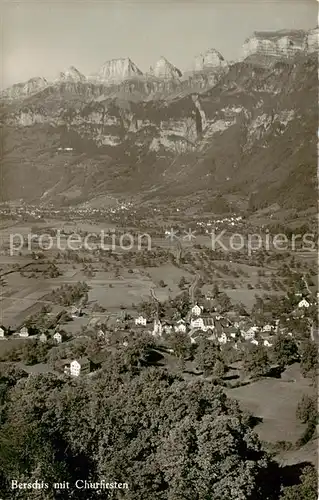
(41, 39)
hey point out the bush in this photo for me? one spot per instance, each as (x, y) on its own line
(256, 361)
(306, 490)
(307, 409)
(309, 358)
(307, 435)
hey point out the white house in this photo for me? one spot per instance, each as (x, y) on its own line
(24, 332)
(79, 366)
(267, 343)
(140, 321)
(180, 326)
(304, 303)
(249, 334)
(254, 341)
(167, 328)
(213, 336)
(233, 332)
(197, 310)
(222, 338)
(2, 333)
(57, 337)
(197, 323)
(75, 368)
(267, 328)
(204, 324)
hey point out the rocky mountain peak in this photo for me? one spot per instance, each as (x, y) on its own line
(72, 74)
(282, 43)
(23, 89)
(117, 70)
(209, 59)
(164, 69)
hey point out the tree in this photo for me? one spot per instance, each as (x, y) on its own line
(307, 409)
(256, 361)
(215, 291)
(219, 368)
(181, 344)
(306, 490)
(180, 305)
(240, 309)
(309, 358)
(285, 350)
(207, 354)
(9, 376)
(182, 282)
(34, 352)
(224, 301)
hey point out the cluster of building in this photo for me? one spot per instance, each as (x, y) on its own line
(227, 328)
(219, 328)
(224, 328)
(24, 333)
(219, 223)
(73, 368)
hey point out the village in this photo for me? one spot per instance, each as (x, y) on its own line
(206, 320)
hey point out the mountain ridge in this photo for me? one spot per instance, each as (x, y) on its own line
(252, 129)
(282, 43)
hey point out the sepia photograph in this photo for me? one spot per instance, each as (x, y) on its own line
(159, 291)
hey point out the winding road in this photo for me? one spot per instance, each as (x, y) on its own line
(193, 286)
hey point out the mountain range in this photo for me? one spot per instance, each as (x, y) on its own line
(244, 130)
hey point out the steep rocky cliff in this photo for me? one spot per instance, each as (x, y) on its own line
(234, 129)
(312, 40)
(283, 43)
(24, 89)
(164, 69)
(209, 59)
(117, 70)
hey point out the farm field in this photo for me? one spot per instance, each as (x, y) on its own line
(275, 402)
(114, 293)
(7, 344)
(171, 275)
(22, 297)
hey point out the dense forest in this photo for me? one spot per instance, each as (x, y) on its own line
(130, 422)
